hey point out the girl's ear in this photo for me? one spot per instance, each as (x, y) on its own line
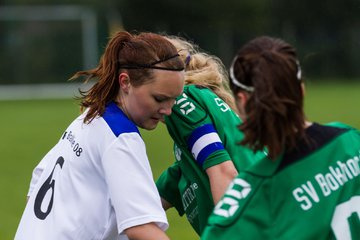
(124, 82)
(241, 98)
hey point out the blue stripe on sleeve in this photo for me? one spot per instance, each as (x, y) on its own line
(212, 146)
(199, 132)
(206, 151)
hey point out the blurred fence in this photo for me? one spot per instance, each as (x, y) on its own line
(42, 91)
(46, 44)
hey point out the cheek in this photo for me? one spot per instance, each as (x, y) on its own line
(146, 108)
(143, 106)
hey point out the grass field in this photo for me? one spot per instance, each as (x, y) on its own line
(29, 128)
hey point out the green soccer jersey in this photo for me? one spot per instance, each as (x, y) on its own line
(203, 128)
(312, 192)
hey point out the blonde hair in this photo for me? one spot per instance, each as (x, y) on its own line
(203, 69)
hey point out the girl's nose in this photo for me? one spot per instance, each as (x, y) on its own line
(166, 108)
(165, 111)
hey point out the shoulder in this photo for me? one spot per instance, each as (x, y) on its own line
(326, 132)
(197, 90)
(322, 139)
(195, 103)
(196, 93)
(117, 121)
(189, 107)
(340, 125)
(337, 129)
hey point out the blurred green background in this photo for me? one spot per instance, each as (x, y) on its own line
(29, 128)
(44, 42)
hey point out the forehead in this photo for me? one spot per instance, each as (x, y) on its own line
(167, 83)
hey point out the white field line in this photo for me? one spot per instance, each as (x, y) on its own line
(41, 91)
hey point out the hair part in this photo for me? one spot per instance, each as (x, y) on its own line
(275, 117)
(124, 48)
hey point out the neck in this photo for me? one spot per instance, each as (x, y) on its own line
(308, 124)
(121, 104)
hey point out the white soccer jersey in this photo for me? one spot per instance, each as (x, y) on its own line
(95, 183)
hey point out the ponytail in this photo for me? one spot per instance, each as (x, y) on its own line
(274, 111)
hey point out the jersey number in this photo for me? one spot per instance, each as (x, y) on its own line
(49, 184)
(186, 106)
(223, 106)
(346, 220)
(238, 189)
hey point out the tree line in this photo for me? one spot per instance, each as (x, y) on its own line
(325, 33)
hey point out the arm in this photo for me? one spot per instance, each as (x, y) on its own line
(148, 231)
(195, 129)
(220, 176)
(166, 205)
(132, 175)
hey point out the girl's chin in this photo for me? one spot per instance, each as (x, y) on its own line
(150, 125)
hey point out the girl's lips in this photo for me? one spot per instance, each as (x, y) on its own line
(161, 119)
(156, 119)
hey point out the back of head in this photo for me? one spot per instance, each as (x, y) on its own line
(203, 69)
(267, 68)
(138, 55)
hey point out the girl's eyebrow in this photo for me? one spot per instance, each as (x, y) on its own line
(162, 95)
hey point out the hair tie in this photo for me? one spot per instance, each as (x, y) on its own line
(187, 60)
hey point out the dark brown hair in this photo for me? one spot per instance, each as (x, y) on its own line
(137, 54)
(275, 117)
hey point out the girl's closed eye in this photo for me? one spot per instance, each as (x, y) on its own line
(159, 99)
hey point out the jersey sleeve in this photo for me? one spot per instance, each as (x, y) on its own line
(191, 128)
(167, 184)
(132, 190)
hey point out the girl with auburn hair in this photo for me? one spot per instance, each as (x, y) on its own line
(310, 170)
(202, 126)
(96, 182)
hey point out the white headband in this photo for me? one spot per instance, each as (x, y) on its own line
(298, 74)
(251, 89)
(235, 81)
